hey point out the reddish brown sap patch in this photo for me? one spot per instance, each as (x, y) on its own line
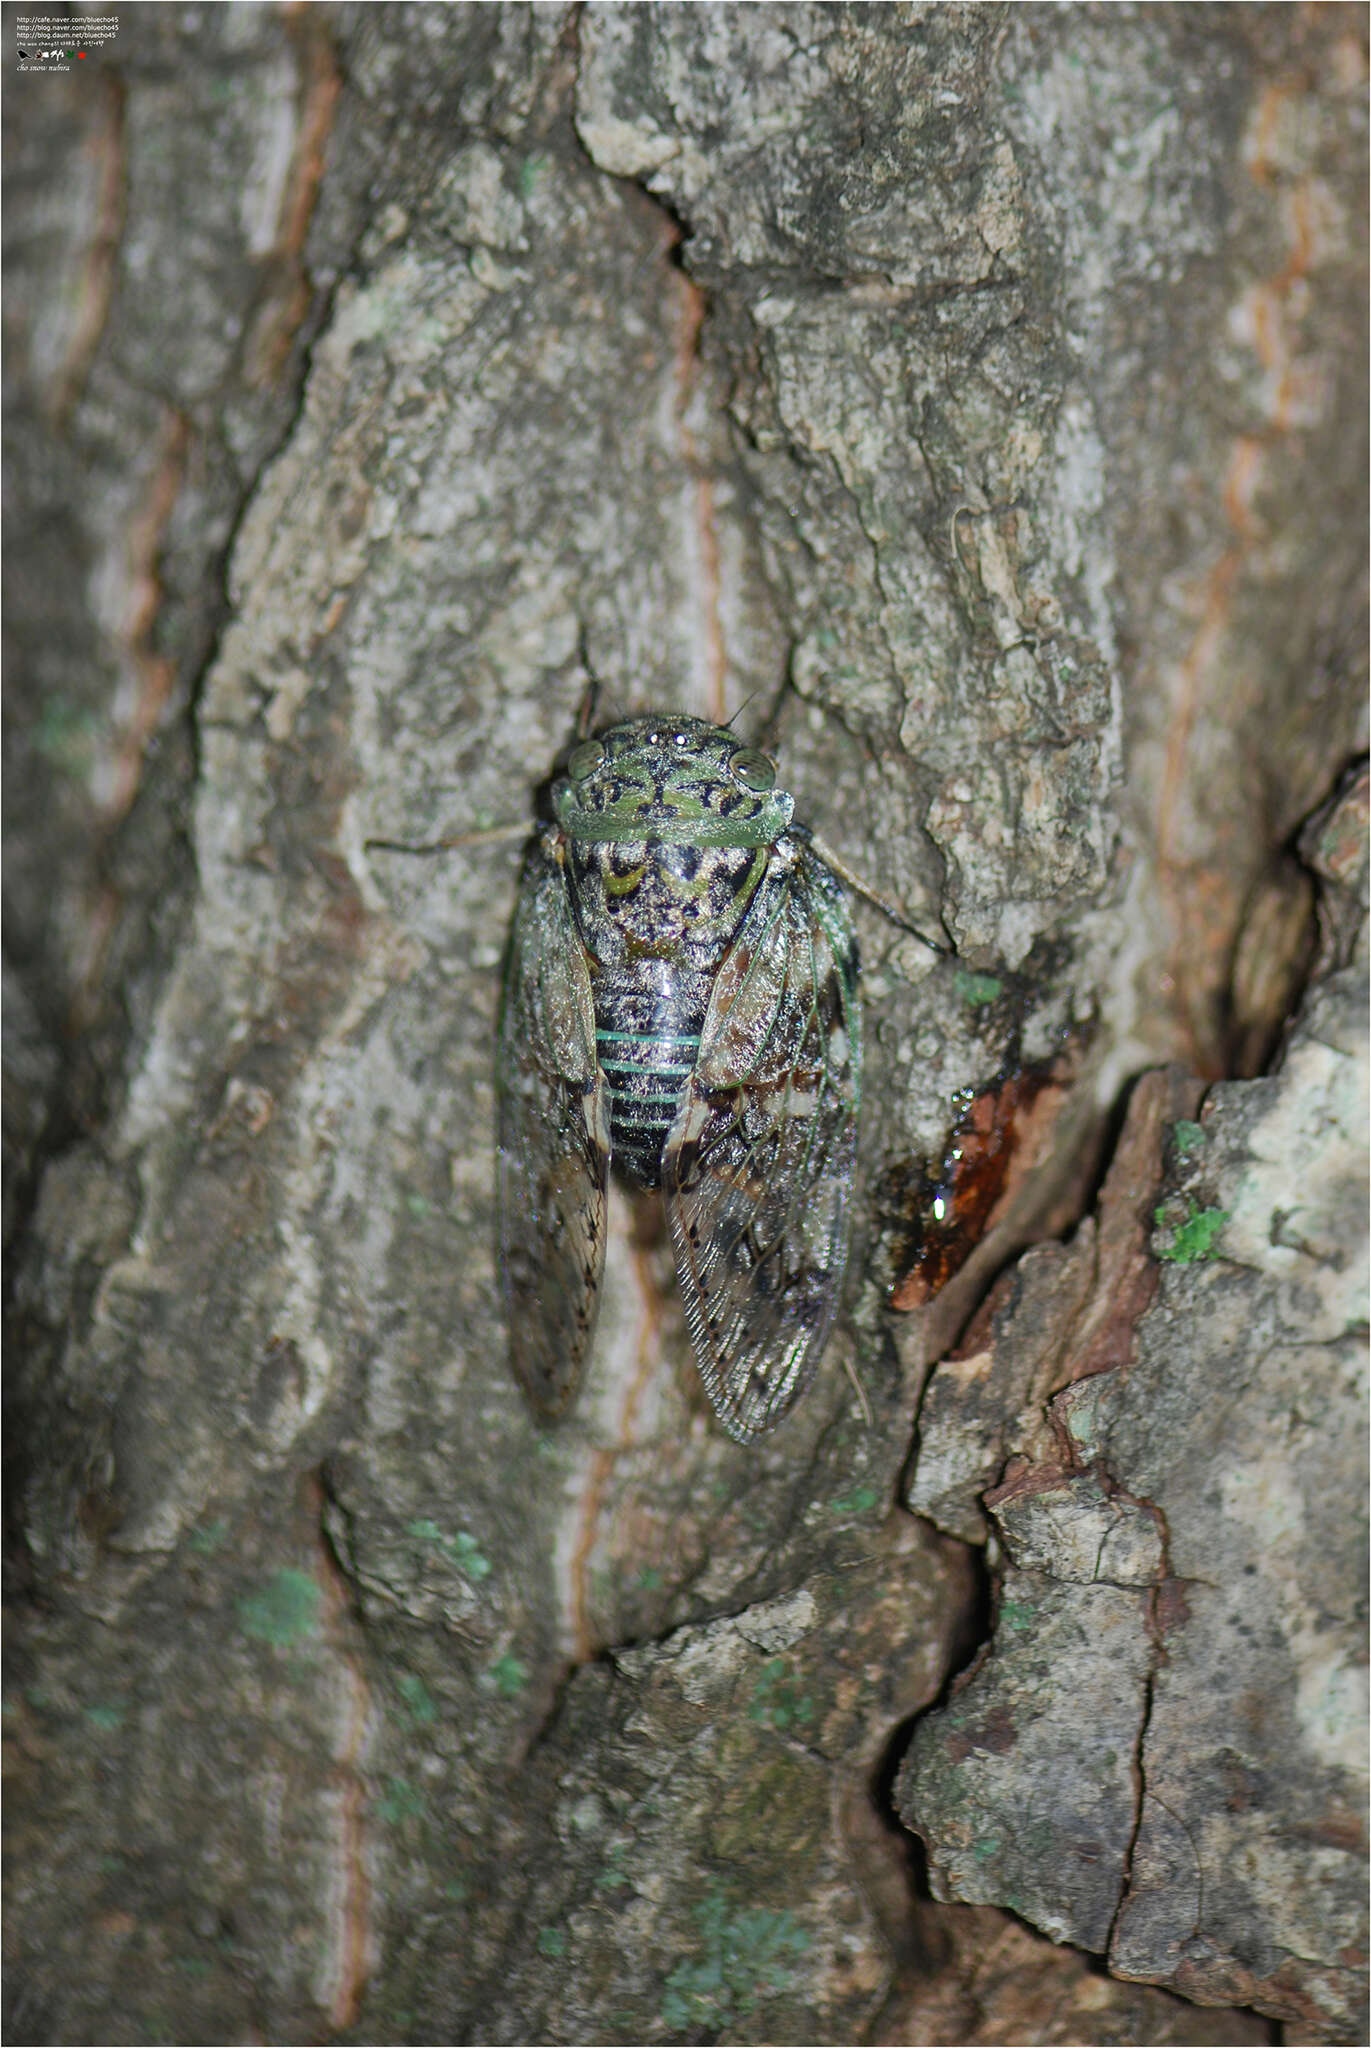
(956, 1206)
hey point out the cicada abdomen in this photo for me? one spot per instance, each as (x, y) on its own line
(681, 998)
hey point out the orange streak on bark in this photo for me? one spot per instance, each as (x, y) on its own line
(323, 85)
(706, 529)
(150, 524)
(1173, 870)
(97, 934)
(1270, 306)
(97, 279)
(1240, 485)
(352, 1934)
(286, 306)
(153, 677)
(1269, 106)
(154, 673)
(354, 1930)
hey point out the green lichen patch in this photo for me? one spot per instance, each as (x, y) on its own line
(507, 1675)
(1016, 1614)
(1188, 1136)
(531, 170)
(416, 1696)
(67, 734)
(462, 1550)
(107, 1716)
(1194, 1239)
(860, 1501)
(613, 1876)
(746, 1954)
(777, 1701)
(284, 1611)
(977, 990)
(400, 1802)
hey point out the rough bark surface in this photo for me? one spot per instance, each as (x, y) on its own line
(972, 403)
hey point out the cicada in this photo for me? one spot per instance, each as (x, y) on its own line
(681, 1002)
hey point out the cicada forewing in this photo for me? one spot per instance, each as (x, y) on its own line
(758, 1165)
(554, 1141)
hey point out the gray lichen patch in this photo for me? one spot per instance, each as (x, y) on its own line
(1030, 1768)
(1071, 1527)
(685, 1861)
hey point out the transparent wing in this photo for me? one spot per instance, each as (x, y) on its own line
(757, 1169)
(553, 1145)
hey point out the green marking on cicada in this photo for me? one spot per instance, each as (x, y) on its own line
(681, 998)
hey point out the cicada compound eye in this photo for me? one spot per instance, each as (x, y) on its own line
(754, 769)
(585, 759)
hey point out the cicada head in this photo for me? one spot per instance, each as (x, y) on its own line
(671, 780)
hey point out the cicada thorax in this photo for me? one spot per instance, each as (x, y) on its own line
(657, 921)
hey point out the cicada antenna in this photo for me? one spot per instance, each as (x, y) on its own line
(585, 716)
(882, 903)
(750, 698)
(490, 835)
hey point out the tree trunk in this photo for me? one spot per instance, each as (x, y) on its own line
(970, 404)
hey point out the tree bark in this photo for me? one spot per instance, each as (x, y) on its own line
(970, 403)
